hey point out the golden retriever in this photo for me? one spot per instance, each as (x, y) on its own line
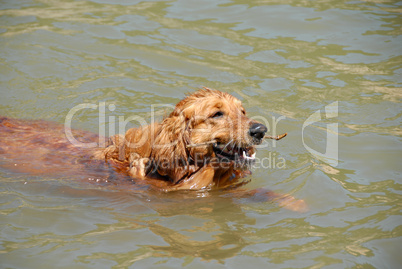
(207, 142)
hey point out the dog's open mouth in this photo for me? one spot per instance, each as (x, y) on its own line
(233, 153)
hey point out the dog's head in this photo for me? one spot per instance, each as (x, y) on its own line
(207, 126)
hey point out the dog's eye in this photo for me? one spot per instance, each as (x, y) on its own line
(217, 114)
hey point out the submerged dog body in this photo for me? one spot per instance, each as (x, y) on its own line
(206, 142)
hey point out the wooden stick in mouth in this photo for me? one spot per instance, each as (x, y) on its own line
(278, 137)
(201, 144)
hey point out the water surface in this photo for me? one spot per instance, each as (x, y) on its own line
(285, 60)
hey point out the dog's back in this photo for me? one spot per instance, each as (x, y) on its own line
(41, 147)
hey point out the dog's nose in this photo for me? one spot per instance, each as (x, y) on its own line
(257, 130)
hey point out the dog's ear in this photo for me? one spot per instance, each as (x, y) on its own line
(169, 152)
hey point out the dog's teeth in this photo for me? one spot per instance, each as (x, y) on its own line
(247, 157)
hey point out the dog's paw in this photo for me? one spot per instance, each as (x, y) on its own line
(138, 167)
(291, 203)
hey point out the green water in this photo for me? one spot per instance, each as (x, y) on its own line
(284, 59)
